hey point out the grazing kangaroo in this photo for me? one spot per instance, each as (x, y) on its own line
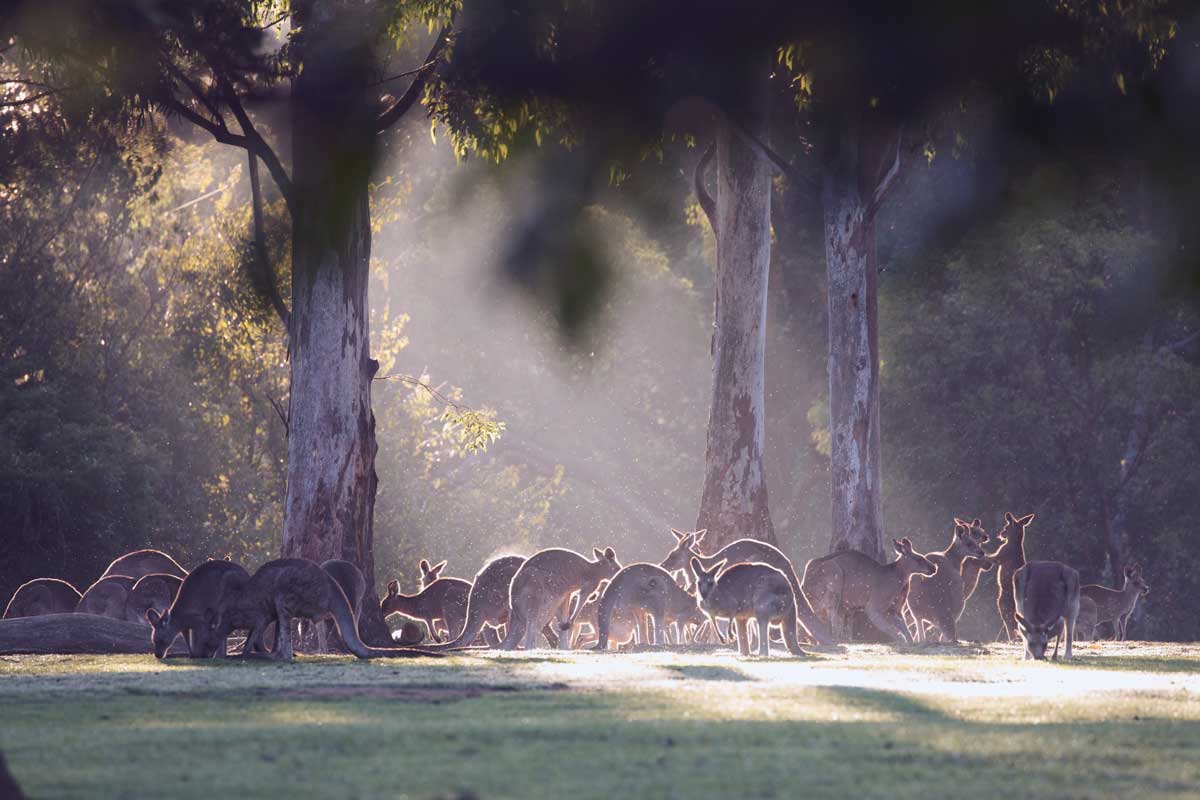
(106, 597)
(286, 589)
(141, 563)
(846, 581)
(42, 596)
(544, 585)
(194, 612)
(487, 604)
(1047, 599)
(440, 598)
(156, 591)
(639, 590)
(749, 591)
(1009, 558)
(1116, 605)
(749, 551)
(623, 625)
(938, 600)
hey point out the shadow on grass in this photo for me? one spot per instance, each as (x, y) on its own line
(706, 673)
(1134, 663)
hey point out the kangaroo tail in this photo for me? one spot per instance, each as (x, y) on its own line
(817, 630)
(476, 619)
(790, 626)
(343, 617)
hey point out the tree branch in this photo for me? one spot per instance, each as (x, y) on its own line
(265, 273)
(706, 200)
(413, 92)
(888, 181)
(261, 148)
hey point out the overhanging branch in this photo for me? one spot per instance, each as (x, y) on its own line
(888, 181)
(263, 262)
(707, 203)
(413, 92)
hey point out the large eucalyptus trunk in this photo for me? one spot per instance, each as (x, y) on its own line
(853, 354)
(734, 502)
(331, 434)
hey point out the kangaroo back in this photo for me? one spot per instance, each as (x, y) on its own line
(487, 600)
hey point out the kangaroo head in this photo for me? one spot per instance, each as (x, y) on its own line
(706, 580)
(975, 528)
(1014, 526)
(606, 560)
(390, 601)
(1037, 637)
(964, 538)
(163, 631)
(911, 560)
(685, 547)
(430, 574)
(1133, 574)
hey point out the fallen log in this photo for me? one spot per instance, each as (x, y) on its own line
(72, 634)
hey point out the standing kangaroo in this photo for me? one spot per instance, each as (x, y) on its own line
(544, 585)
(1046, 594)
(749, 551)
(749, 591)
(939, 600)
(281, 591)
(644, 589)
(1116, 605)
(141, 563)
(847, 581)
(195, 609)
(972, 567)
(106, 597)
(1009, 558)
(623, 626)
(440, 598)
(42, 596)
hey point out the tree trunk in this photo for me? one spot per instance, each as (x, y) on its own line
(331, 434)
(853, 354)
(734, 502)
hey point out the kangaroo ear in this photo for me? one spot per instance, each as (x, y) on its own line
(717, 567)
(1024, 521)
(1021, 621)
(897, 546)
(424, 565)
(610, 554)
(393, 588)
(960, 523)
(153, 616)
(598, 553)
(698, 535)
(975, 523)
(1009, 518)
(438, 567)
(679, 535)
(228, 557)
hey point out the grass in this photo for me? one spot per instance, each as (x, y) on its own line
(861, 721)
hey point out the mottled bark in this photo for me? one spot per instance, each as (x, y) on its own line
(331, 442)
(856, 484)
(734, 501)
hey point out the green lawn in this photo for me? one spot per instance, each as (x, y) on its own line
(861, 721)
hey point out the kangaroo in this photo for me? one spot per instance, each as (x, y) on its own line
(42, 596)
(643, 589)
(545, 583)
(938, 600)
(141, 563)
(848, 580)
(749, 551)
(1009, 558)
(624, 625)
(155, 591)
(281, 591)
(195, 610)
(749, 591)
(487, 603)
(1085, 623)
(106, 597)
(1046, 594)
(440, 598)
(973, 566)
(1116, 605)
(352, 583)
